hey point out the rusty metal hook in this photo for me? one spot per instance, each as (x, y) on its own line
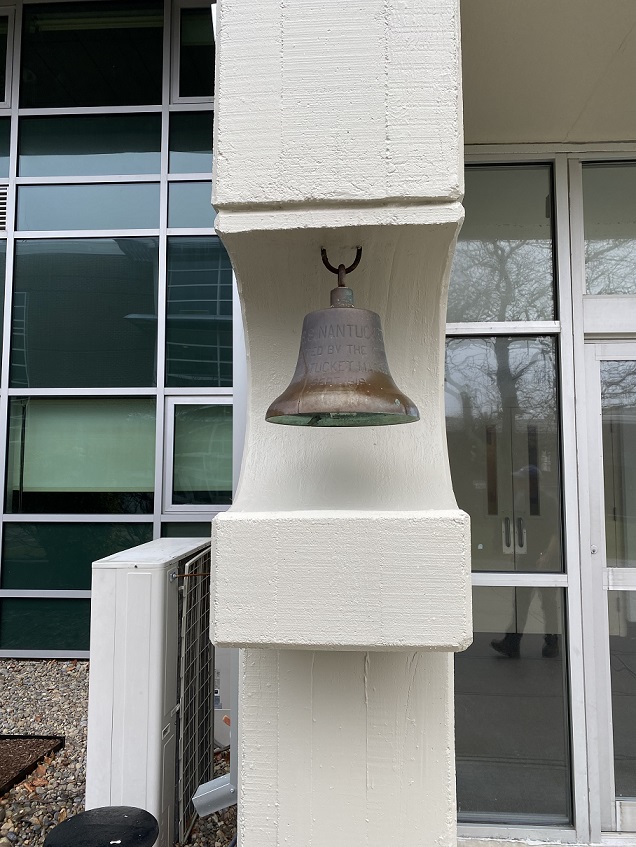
(341, 270)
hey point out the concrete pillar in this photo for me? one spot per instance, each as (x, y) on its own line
(342, 568)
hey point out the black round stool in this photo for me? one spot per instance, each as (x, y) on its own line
(110, 826)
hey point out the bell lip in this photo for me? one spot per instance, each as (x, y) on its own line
(392, 409)
(335, 419)
(343, 400)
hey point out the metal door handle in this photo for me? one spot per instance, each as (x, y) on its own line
(507, 536)
(520, 541)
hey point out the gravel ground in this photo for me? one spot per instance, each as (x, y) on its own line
(51, 698)
(215, 830)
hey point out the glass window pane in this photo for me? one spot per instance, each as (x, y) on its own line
(511, 697)
(92, 54)
(84, 313)
(185, 530)
(44, 624)
(190, 205)
(191, 142)
(502, 428)
(5, 128)
(59, 556)
(4, 34)
(57, 207)
(199, 313)
(202, 455)
(618, 403)
(77, 454)
(609, 216)
(622, 637)
(503, 268)
(92, 145)
(3, 265)
(196, 53)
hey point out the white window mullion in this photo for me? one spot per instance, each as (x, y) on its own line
(570, 494)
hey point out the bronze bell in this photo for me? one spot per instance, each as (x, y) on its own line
(342, 377)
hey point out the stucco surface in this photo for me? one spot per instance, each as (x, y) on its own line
(343, 580)
(361, 749)
(337, 101)
(403, 276)
(338, 125)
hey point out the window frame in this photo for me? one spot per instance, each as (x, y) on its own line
(165, 109)
(60, 111)
(175, 51)
(562, 329)
(221, 397)
(85, 396)
(9, 13)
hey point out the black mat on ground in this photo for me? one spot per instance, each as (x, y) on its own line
(20, 755)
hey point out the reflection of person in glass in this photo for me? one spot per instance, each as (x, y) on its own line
(543, 554)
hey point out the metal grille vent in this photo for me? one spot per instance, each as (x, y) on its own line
(195, 729)
(4, 189)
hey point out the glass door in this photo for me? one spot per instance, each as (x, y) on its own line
(511, 695)
(504, 363)
(611, 416)
(502, 430)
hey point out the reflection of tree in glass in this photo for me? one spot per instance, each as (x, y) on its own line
(484, 376)
(618, 384)
(610, 265)
(501, 280)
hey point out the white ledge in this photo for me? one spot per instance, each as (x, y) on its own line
(345, 580)
(241, 219)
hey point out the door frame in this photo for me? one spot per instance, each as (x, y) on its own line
(614, 816)
(568, 328)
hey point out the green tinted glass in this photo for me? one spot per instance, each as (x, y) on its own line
(59, 556)
(3, 264)
(191, 142)
(202, 455)
(92, 145)
(58, 207)
(44, 624)
(84, 313)
(92, 54)
(196, 54)
(199, 313)
(81, 455)
(5, 127)
(185, 530)
(190, 205)
(4, 31)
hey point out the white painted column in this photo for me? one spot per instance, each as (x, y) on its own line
(342, 568)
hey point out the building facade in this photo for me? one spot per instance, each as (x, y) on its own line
(116, 387)
(117, 357)
(539, 382)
